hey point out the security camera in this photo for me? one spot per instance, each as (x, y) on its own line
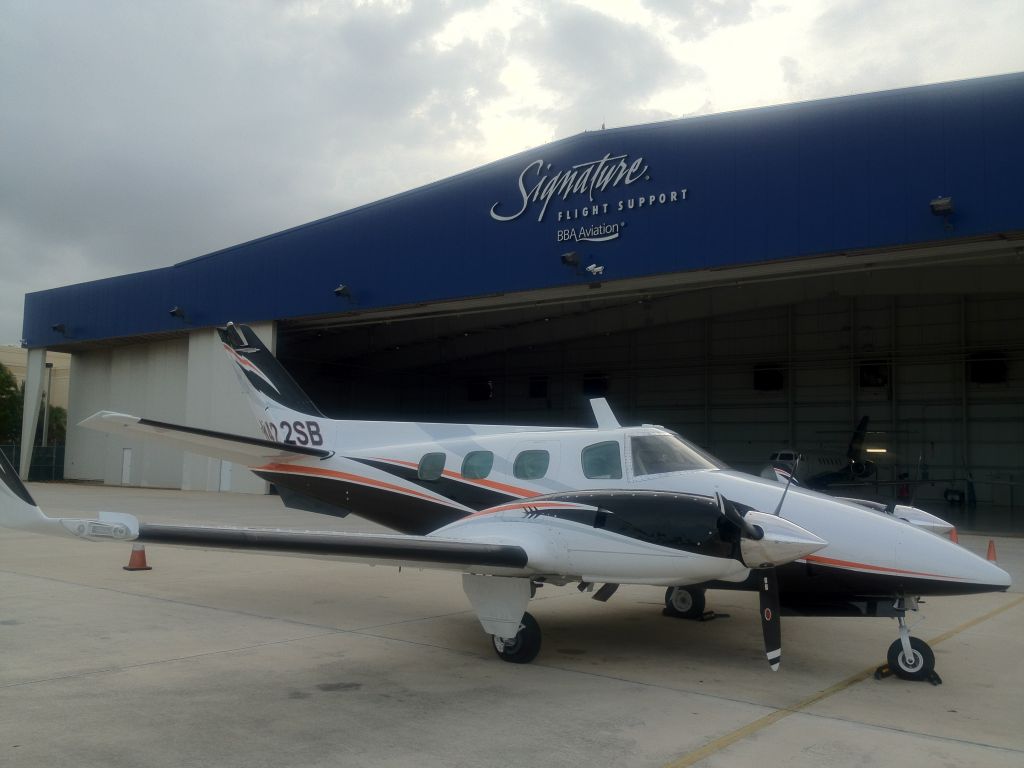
(596, 269)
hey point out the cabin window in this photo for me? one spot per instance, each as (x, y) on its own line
(531, 465)
(477, 465)
(431, 466)
(602, 461)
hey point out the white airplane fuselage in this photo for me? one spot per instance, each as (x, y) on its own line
(409, 487)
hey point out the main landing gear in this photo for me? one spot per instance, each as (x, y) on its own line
(685, 602)
(524, 647)
(909, 658)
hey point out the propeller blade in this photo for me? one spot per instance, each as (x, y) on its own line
(770, 626)
(747, 529)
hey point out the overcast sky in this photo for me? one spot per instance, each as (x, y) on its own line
(137, 134)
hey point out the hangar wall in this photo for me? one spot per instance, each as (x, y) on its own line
(184, 380)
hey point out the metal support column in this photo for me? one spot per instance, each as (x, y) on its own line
(34, 371)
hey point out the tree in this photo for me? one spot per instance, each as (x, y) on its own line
(10, 407)
(58, 425)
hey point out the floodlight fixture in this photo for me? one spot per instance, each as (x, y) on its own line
(178, 312)
(343, 290)
(941, 206)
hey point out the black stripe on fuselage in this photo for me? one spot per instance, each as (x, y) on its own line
(463, 492)
(810, 584)
(407, 514)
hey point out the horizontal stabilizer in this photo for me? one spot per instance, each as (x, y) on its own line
(220, 445)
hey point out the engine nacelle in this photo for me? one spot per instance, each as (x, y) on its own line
(862, 469)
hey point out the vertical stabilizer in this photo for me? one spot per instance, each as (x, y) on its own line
(856, 450)
(271, 389)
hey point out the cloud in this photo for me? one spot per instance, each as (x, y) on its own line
(140, 136)
(699, 18)
(603, 70)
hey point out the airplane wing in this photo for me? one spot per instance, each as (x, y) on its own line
(219, 445)
(18, 510)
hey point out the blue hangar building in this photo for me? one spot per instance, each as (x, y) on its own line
(755, 280)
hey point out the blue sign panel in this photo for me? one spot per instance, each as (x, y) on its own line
(738, 188)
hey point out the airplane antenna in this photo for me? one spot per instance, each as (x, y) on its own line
(796, 465)
(603, 414)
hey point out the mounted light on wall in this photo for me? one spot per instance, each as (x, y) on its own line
(571, 259)
(943, 206)
(343, 290)
(59, 328)
(177, 312)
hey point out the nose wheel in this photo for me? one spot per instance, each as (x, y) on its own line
(909, 658)
(918, 664)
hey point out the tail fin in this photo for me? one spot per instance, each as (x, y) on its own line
(856, 450)
(270, 386)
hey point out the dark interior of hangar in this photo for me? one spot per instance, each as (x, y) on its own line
(934, 356)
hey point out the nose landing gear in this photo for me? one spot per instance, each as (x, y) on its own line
(909, 658)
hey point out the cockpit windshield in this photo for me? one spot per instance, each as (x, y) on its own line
(656, 454)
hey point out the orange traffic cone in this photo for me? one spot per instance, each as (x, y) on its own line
(991, 551)
(137, 562)
(953, 537)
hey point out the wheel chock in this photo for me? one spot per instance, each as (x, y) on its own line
(884, 671)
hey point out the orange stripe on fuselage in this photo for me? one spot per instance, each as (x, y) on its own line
(868, 567)
(289, 469)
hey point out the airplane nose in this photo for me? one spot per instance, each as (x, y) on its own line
(961, 570)
(996, 576)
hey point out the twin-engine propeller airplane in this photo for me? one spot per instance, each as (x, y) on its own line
(516, 507)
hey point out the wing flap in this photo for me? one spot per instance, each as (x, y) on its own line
(219, 445)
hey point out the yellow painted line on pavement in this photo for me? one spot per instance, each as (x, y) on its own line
(692, 758)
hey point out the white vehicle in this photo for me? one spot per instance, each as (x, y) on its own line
(516, 507)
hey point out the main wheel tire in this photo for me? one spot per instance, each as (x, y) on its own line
(919, 667)
(524, 647)
(685, 602)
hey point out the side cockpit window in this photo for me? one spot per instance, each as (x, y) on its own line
(602, 461)
(431, 466)
(531, 465)
(477, 465)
